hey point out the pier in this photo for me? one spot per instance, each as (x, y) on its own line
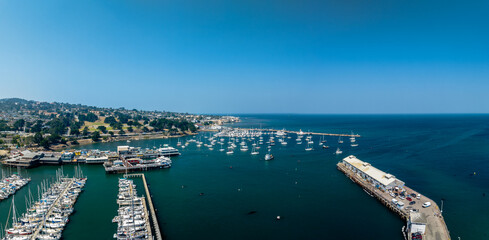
(128, 167)
(429, 218)
(299, 132)
(150, 203)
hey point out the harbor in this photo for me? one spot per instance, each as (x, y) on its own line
(422, 215)
(292, 152)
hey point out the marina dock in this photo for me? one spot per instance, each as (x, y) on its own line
(152, 211)
(40, 226)
(425, 221)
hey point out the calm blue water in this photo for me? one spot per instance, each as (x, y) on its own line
(435, 154)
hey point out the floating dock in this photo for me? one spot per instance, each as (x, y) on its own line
(427, 220)
(154, 219)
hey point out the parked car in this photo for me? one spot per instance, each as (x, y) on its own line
(409, 199)
(426, 204)
(412, 202)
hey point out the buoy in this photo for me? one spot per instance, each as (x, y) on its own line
(278, 217)
(201, 194)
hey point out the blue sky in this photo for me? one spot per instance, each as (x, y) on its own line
(341, 56)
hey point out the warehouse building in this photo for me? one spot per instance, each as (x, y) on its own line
(378, 178)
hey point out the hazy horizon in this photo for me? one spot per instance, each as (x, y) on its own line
(314, 57)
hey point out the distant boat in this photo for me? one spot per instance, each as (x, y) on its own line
(340, 140)
(352, 138)
(309, 148)
(354, 144)
(269, 156)
(230, 152)
(254, 152)
(338, 151)
(324, 146)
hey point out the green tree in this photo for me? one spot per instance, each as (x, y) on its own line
(110, 120)
(19, 124)
(96, 136)
(130, 129)
(16, 140)
(102, 129)
(45, 143)
(85, 131)
(75, 132)
(38, 138)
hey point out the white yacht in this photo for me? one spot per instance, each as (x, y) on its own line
(268, 156)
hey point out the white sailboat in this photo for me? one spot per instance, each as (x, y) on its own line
(254, 152)
(309, 148)
(338, 151)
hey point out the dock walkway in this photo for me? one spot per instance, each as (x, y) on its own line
(436, 228)
(150, 203)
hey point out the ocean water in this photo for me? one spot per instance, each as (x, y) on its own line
(442, 156)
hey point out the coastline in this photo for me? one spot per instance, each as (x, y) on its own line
(88, 141)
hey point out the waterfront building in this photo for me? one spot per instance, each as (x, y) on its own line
(25, 159)
(417, 222)
(51, 158)
(378, 178)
